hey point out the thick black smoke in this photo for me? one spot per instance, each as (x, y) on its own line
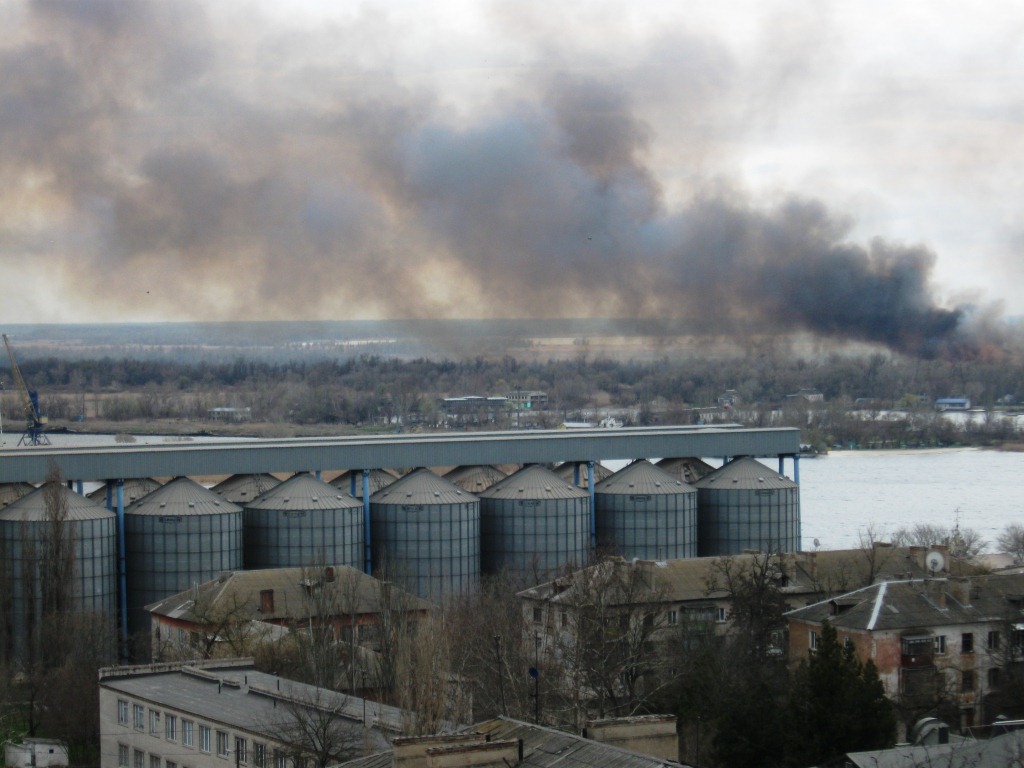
(177, 168)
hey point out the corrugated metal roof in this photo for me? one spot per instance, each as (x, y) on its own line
(379, 479)
(33, 507)
(304, 492)
(242, 489)
(643, 477)
(182, 496)
(568, 469)
(422, 487)
(10, 492)
(533, 482)
(131, 490)
(689, 469)
(745, 474)
(475, 477)
(242, 589)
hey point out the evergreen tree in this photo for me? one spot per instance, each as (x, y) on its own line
(837, 705)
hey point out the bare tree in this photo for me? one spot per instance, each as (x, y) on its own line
(314, 726)
(1011, 541)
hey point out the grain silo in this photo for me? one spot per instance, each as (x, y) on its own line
(689, 469)
(644, 512)
(379, 479)
(532, 524)
(177, 536)
(746, 505)
(11, 492)
(425, 535)
(567, 472)
(132, 490)
(474, 477)
(241, 489)
(301, 522)
(47, 536)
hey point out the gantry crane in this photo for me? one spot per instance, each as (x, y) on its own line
(35, 423)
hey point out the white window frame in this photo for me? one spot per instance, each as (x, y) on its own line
(940, 644)
(154, 723)
(124, 756)
(139, 717)
(204, 738)
(188, 734)
(222, 744)
(155, 761)
(241, 750)
(171, 727)
(138, 758)
(122, 712)
(673, 616)
(812, 640)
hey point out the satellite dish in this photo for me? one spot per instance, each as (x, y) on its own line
(935, 561)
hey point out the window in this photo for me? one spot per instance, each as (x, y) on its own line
(154, 722)
(122, 712)
(993, 677)
(139, 758)
(940, 643)
(171, 727)
(122, 756)
(259, 755)
(186, 733)
(241, 750)
(154, 761)
(564, 618)
(993, 640)
(967, 680)
(967, 642)
(169, 764)
(280, 760)
(222, 744)
(139, 716)
(812, 641)
(538, 615)
(204, 738)
(721, 615)
(673, 617)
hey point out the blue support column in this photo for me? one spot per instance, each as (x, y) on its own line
(590, 490)
(796, 469)
(79, 488)
(317, 475)
(121, 568)
(366, 520)
(782, 465)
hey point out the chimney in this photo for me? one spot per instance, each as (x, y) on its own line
(653, 735)
(916, 555)
(266, 601)
(935, 589)
(960, 589)
(411, 751)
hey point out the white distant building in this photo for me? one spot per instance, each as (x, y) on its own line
(35, 753)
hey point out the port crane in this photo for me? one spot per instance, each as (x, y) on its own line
(35, 423)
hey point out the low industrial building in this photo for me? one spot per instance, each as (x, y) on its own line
(217, 714)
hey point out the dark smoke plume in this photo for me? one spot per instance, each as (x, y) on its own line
(178, 170)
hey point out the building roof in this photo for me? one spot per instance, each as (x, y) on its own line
(379, 478)
(33, 506)
(422, 487)
(998, 752)
(132, 489)
(241, 489)
(182, 496)
(289, 585)
(567, 471)
(643, 477)
(303, 491)
(745, 473)
(688, 469)
(920, 603)
(474, 477)
(533, 482)
(543, 748)
(13, 491)
(234, 694)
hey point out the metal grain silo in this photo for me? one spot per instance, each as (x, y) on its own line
(131, 491)
(746, 505)
(11, 492)
(379, 479)
(425, 535)
(474, 477)
(176, 536)
(532, 524)
(241, 489)
(644, 512)
(303, 521)
(28, 554)
(567, 471)
(689, 469)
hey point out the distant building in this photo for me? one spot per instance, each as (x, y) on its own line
(530, 400)
(807, 394)
(230, 414)
(35, 753)
(225, 713)
(953, 404)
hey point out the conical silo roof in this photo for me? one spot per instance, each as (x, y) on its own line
(689, 469)
(303, 491)
(11, 492)
(182, 496)
(745, 474)
(533, 482)
(133, 489)
(475, 477)
(379, 479)
(242, 489)
(643, 477)
(422, 487)
(32, 507)
(567, 470)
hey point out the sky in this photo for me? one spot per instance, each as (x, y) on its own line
(848, 169)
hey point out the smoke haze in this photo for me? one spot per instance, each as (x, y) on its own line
(160, 161)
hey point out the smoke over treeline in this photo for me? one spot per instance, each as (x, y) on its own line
(156, 160)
